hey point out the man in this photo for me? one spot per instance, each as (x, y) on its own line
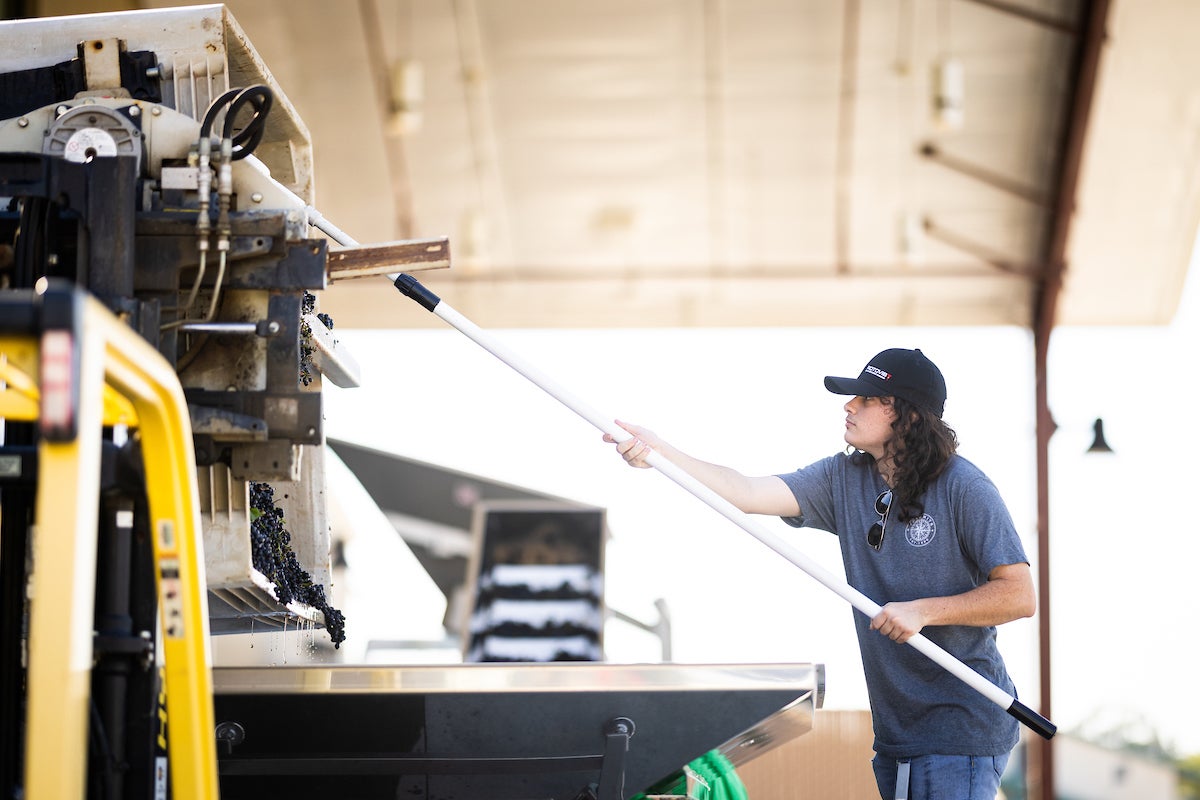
(924, 533)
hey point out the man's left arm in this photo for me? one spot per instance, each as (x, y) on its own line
(1007, 594)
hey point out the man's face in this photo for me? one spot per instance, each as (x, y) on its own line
(869, 423)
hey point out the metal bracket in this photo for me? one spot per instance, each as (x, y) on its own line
(617, 733)
(230, 735)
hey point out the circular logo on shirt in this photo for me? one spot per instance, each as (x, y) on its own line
(920, 531)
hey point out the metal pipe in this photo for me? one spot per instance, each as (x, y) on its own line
(984, 175)
(980, 251)
(1029, 15)
(1045, 317)
(243, 328)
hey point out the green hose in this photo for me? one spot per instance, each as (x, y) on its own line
(719, 777)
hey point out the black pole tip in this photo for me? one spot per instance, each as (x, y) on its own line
(1036, 722)
(410, 287)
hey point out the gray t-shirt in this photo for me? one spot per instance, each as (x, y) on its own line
(966, 531)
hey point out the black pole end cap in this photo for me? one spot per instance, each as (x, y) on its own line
(410, 287)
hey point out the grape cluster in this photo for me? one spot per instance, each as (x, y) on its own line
(306, 349)
(272, 555)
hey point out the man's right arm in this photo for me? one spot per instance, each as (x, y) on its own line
(766, 494)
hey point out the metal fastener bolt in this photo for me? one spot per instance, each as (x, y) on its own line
(156, 111)
(134, 111)
(23, 122)
(257, 197)
(61, 110)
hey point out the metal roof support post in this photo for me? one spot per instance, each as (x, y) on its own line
(1041, 773)
(1093, 28)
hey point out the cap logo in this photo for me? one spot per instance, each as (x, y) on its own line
(878, 373)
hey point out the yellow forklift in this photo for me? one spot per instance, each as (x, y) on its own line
(93, 686)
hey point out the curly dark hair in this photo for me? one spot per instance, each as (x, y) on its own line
(920, 449)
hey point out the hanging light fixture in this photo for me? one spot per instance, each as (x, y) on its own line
(948, 84)
(909, 237)
(1099, 445)
(949, 87)
(406, 96)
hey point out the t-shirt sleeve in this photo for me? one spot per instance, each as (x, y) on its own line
(813, 488)
(993, 540)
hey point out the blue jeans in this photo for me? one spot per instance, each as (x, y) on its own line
(943, 777)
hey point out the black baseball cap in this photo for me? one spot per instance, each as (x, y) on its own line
(897, 373)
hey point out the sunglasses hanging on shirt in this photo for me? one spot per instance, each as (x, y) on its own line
(883, 505)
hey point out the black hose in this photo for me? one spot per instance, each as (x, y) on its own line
(244, 142)
(261, 98)
(210, 117)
